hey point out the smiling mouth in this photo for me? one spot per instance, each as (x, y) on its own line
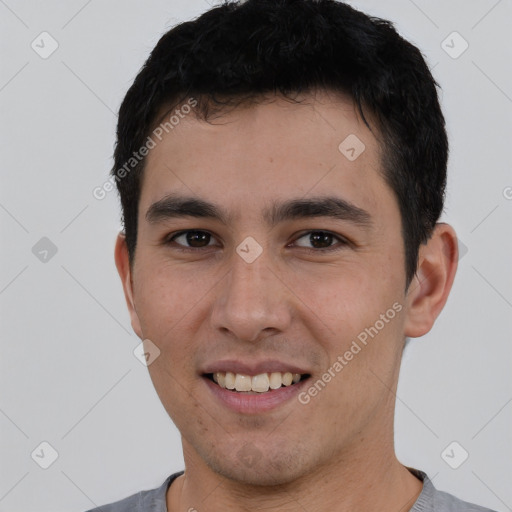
(256, 384)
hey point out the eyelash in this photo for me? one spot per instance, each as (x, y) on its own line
(343, 242)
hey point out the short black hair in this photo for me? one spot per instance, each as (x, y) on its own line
(241, 51)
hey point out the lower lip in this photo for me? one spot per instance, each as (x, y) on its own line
(255, 403)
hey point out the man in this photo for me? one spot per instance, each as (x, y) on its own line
(281, 166)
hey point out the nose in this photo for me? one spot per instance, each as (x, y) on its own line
(252, 301)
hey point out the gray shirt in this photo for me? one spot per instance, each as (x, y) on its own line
(430, 499)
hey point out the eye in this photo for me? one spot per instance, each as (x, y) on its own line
(193, 240)
(322, 241)
(190, 240)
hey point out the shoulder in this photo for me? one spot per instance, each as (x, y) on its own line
(153, 500)
(448, 502)
(433, 500)
(130, 503)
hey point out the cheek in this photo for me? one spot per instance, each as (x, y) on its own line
(346, 299)
(359, 317)
(168, 303)
(165, 300)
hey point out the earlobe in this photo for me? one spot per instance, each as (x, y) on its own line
(123, 268)
(430, 287)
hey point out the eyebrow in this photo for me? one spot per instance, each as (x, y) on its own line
(176, 206)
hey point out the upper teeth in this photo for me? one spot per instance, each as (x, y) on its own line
(259, 383)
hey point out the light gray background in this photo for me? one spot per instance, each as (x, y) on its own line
(68, 373)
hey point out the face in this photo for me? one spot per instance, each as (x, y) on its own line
(255, 285)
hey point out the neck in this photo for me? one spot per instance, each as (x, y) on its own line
(373, 484)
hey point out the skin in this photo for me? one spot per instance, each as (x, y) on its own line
(337, 452)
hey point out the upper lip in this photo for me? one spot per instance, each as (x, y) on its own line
(252, 368)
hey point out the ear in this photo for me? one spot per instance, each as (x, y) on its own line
(125, 273)
(430, 287)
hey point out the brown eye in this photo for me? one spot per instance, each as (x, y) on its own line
(191, 239)
(321, 240)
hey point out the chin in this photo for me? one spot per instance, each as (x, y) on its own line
(264, 470)
(256, 477)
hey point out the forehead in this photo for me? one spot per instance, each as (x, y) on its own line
(264, 150)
